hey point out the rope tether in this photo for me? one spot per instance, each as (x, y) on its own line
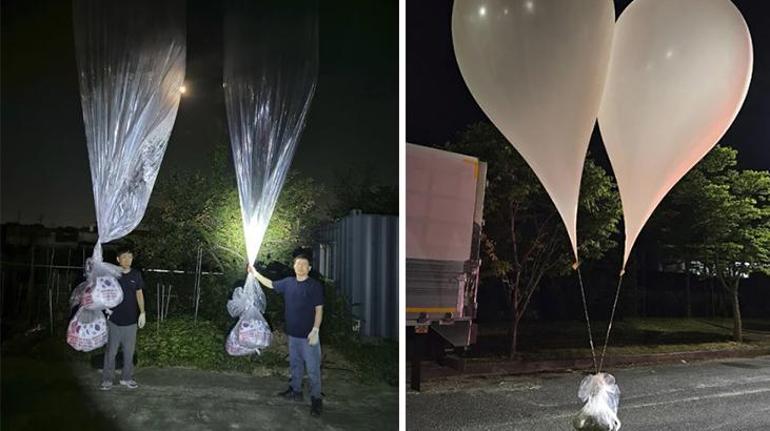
(588, 321)
(612, 316)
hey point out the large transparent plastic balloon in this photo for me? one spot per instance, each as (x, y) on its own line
(537, 68)
(270, 72)
(678, 75)
(131, 64)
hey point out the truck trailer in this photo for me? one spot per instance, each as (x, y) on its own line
(444, 218)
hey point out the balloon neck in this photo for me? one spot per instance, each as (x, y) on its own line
(576, 265)
(97, 254)
(622, 271)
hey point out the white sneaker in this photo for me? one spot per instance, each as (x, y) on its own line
(130, 384)
(106, 386)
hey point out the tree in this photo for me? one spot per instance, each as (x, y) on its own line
(358, 189)
(203, 208)
(719, 217)
(690, 213)
(524, 238)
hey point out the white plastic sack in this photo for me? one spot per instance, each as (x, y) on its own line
(252, 332)
(250, 295)
(101, 293)
(601, 396)
(131, 64)
(101, 289)
(87, 330)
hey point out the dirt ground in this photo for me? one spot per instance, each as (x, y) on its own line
(41, 392)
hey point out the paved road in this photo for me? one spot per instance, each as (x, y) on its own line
(726, 395)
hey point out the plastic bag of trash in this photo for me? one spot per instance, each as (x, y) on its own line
(77, 293)
(253, 331)
(87, 330)
(601, 396)
(101, 289)
(250, 295)
(240, 301)
(101, 293)
(233, 348)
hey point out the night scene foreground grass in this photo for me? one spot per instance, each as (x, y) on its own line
(187, 381)
(632, 336)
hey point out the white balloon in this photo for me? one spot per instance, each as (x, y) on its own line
(679, 72)
(537, 68)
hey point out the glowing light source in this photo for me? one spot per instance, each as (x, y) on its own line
(529, 5)
(482, 11)
(183, 89)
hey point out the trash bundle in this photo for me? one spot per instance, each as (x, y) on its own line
(601, 396)
(87, 330)
(251, 333)
(101, 289)
(233, 348)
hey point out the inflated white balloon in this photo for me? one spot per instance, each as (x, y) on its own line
(679, 72)
(537, 68)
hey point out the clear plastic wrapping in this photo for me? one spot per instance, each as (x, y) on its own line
(601, 396)
(131, 64)
(251, 333)
(270, 73)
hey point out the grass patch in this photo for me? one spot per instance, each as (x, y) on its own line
(374, 362)
(551, 340)
(180, 342)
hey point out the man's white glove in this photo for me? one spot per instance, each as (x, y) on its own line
(312, 337)
(142, 320)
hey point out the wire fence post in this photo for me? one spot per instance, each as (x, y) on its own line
(197, 292)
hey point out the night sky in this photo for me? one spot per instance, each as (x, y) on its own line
(352, 122)
(438, 104)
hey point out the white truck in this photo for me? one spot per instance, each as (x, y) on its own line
(444, 210)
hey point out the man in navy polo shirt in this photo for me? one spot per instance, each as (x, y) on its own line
(303, 299)
(122, 323)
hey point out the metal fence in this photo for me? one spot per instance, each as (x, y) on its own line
(36, 282)
(359, 253)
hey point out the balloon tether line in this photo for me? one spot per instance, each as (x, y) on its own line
(585, 311)
(612, 316)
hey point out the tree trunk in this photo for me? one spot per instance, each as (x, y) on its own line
(514, 320)
(514, 337)
(687, 298)
(737, 324)
(31, 298)
(711, 296)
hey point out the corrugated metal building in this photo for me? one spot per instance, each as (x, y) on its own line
(360, 254)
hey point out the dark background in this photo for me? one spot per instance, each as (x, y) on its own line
(352, 122)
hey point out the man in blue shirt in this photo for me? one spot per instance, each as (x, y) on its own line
(303, 299)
